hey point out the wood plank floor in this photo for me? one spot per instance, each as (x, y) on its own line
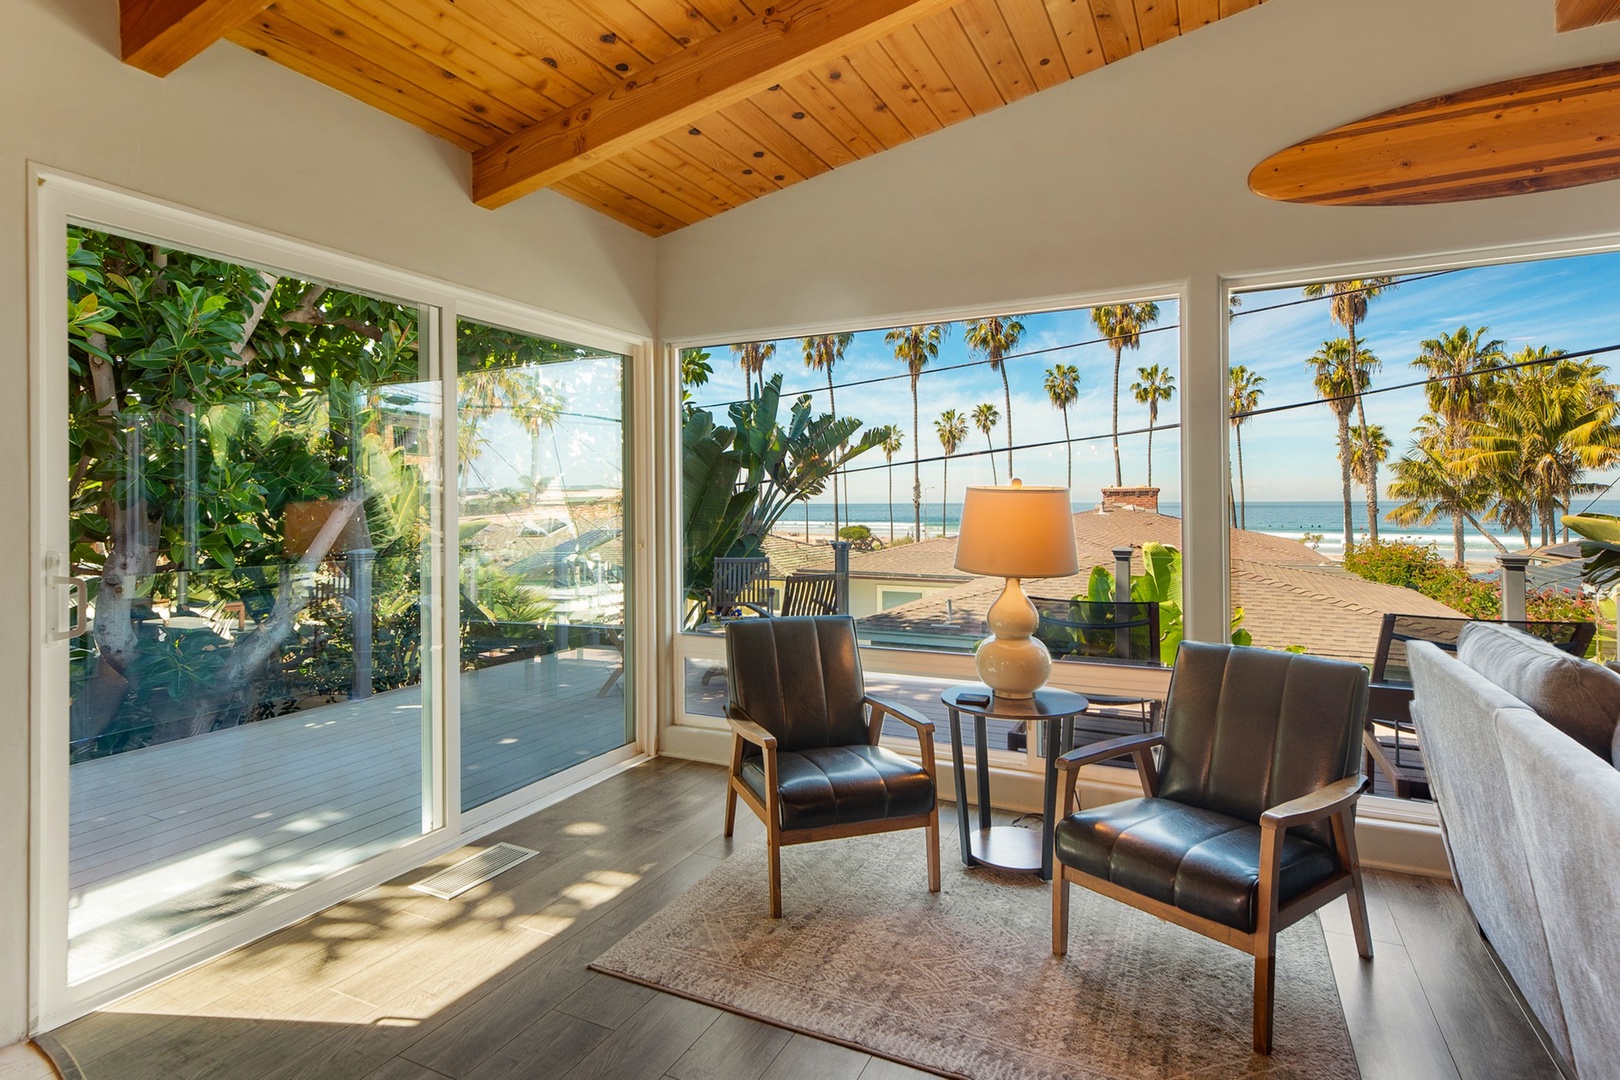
(394, 985)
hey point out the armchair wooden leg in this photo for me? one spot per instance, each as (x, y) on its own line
(931, 838)
(1060, 912)
(1344, 838)
(775, 846)
(731, 807)
(731, 780)
(1265, 980)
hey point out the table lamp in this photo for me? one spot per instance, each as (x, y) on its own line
(1015, 532)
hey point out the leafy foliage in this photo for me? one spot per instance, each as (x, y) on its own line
(1159, 582)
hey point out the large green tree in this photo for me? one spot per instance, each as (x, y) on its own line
(751, 357)
(985, 417)
(915, 346)
(1458, 367)
(1122, 325)
(1429, 482)
(994, 338)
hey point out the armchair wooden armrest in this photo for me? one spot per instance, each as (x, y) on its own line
(1319, 804)
(906, 715)
(1113, 748)
(747, 730)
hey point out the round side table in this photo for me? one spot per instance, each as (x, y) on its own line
(1004, 847)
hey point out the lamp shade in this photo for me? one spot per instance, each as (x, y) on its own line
(1017, 532)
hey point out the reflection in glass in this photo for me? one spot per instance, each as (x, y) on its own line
(250, 489)
(541, 493)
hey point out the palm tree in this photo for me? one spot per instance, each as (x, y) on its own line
(892, 441)
(952, 429)
(1122, 325)
(1348, 307)
(1370, 448)
(1245, 398)
(995, 337)
(914, 346)
(1158, 384)
(1338, 380)
(1546, 427)
(1457, 388)
(984, 418)
(1062, 387)
(822, 353)
(1430, 483)
(751, 356)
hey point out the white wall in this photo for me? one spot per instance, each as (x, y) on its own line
(1133, 180)
(234, 135)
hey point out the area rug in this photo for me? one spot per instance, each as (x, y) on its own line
(964, 983)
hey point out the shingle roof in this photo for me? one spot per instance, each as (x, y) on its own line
(1290, 594)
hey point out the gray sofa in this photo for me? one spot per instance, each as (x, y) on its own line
(1523, 757)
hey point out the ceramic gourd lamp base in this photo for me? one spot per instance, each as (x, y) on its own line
(1011, 662)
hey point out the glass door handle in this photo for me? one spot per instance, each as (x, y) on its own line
(81, 624)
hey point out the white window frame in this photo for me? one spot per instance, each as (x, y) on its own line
(58, 199)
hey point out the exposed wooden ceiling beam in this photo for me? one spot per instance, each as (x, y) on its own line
(715, 73)
(1576, 14)
(160, 35)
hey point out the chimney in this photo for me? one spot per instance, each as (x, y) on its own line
(1130, 498)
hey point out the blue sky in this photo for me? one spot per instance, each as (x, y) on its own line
(1291, 456)
(1034, 417)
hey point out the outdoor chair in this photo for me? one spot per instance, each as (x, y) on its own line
(1247, 820)
(1390, 740)
(804, 743)
(810, 594)
(740, 587)
(1099, 629)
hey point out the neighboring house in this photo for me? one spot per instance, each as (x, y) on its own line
(1290, 595)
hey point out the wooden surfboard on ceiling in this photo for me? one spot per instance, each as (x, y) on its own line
(1539, 133)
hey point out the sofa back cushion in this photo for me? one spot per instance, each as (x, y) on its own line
(1455, 709)
(1568, 808)
(1579, 698)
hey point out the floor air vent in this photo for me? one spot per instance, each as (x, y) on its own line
(451, 882)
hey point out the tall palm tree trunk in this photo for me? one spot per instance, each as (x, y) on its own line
(832, 407)
(1457, 536)
(944, 499)
(1369, 467)
(1118, 476)
(1344, 478)
(1068, 446)
(916, 468)
(1150, 451)
(891, 504)
(994, 479)
(1006, 393)
(1231, 496)
(1243, 490)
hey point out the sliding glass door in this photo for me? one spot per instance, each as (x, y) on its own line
(541, 496)
(251, 486)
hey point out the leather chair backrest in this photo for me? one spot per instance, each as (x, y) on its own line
(799, 679)
(1246, 729)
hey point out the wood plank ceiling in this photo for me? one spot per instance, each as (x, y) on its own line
(661, 113)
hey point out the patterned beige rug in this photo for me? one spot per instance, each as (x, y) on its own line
(964, 983)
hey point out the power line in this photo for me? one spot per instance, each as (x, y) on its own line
(1346, 292)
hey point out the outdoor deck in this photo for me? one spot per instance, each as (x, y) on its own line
(165, 838)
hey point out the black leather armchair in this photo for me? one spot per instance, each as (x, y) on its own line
(804, 748)
(1247, 823)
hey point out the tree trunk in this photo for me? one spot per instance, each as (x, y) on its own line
(1150, 451)
(1231, 497)
(1118, 476)
(1458, 546)
(1369, 468)
(1497, 544)
(1006, 393)
(891, 504)
(944, 499)
(1243, 491)
(832, 407)
(1069, 447)
(992, 447)
(1344, 477)
(916, 468)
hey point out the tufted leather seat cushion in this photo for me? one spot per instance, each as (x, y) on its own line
(1200, 861)
(839, 785)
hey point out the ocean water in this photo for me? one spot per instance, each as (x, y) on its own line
(1293, 520)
